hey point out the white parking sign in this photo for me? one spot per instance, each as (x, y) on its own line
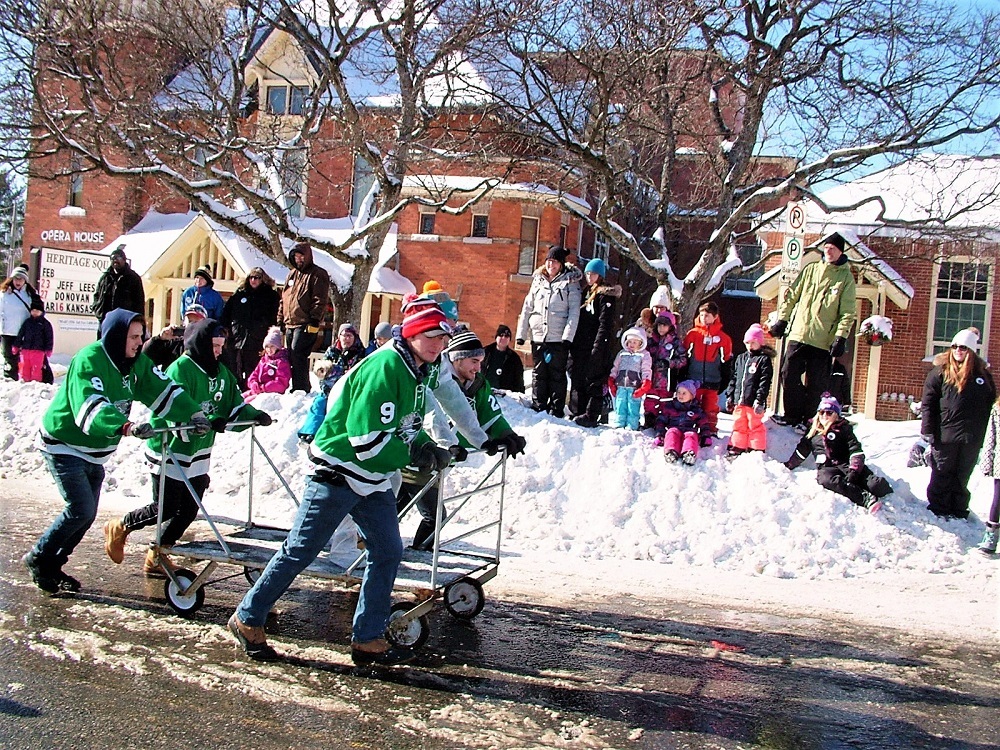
(792, 255)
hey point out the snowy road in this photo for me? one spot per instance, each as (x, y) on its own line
(114, 668)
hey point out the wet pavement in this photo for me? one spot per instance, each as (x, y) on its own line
(114, 667)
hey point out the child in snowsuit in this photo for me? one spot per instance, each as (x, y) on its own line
(710, 354)
(747, 393)
(34, 342)
(273, 373)
(682, 426)
(839, 458)
(669, 359)
(345, 352)
(210, 383)
(989, 462)
(630, 378)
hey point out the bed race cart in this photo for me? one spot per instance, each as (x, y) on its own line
(465, 553)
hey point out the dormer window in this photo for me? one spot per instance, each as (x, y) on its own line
(284, 99)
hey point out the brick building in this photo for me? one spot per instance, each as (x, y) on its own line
(927, 261)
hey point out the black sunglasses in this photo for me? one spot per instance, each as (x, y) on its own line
(827, 411)
(960, 347)
(254, 277)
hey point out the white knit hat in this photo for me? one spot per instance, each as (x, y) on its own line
(660, 297)
(966, 337)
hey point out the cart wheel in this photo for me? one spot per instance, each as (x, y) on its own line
(186, 605)
(464, 598)
(412, 633)
(252, 574)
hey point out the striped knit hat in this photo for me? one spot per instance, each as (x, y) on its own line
(464, 343)
(423, 315)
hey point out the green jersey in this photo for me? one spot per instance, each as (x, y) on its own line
(376, 415)
(86, 417)
(487, 409)
(217, 396)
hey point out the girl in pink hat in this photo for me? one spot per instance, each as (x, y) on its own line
(746, 396)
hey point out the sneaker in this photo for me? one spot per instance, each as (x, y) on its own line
(671, 456)
(689, 457)
(115, 534)
(46, 581)
(379, 653)
(990, 538)
(253, 640)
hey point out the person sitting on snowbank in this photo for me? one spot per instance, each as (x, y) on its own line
(840, 462)
(682, 426)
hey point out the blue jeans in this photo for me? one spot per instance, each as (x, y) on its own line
(79, 483)
(322, 509)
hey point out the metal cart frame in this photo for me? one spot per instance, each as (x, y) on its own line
(452, 573)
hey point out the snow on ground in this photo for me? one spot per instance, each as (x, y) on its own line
(602, 504)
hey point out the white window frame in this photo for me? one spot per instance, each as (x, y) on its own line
(290, 88)
(933, 345)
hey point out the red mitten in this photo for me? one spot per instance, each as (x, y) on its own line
(612, 388)
(642, 390)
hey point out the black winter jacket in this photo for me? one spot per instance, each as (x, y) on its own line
(950, 416)
(838, 446)
(35, 335)
(248, 314)
(595, 331)
(503, 369)
(122, 290)
(751, 381)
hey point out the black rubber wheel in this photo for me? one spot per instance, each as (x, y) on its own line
(412, 633)
(464, 598)
(252, 574)
(186, 605)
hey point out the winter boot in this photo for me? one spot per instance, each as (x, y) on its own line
(46, 579)
(689, 457)
(872, 504)
(585, 421)
(155, 563)
(115, 535)
(732, 452)
(990, 538)
(671, 456)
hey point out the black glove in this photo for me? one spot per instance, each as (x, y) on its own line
(778, 329)
(200, 424)
(567, 343)
(515, 444)
(520, 342)
(263, 419)
(494, 446)
(429, 456)
(853, 476)
(219, 424)
(141, 431)
(458, 453)
(838, 347)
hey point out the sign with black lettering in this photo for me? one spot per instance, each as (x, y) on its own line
(68, 280)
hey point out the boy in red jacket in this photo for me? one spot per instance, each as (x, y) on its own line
(710, 355)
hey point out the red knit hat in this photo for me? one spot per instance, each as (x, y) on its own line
(423, 315)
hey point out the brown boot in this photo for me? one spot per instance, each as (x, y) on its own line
(154, 564)
(115, 535)
(253, 640)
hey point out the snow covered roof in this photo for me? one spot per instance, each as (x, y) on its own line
(148, 240)
(958, 192)
(440, 183)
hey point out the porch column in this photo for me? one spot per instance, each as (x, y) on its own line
(874, 360)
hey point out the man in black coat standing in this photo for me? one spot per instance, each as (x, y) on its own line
(120, 286)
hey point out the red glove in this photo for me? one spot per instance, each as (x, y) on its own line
(612, 388)
(642, 390)
(15, 350)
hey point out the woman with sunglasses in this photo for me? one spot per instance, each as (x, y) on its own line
(248, 314)
(954, 411)
(840, 461)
